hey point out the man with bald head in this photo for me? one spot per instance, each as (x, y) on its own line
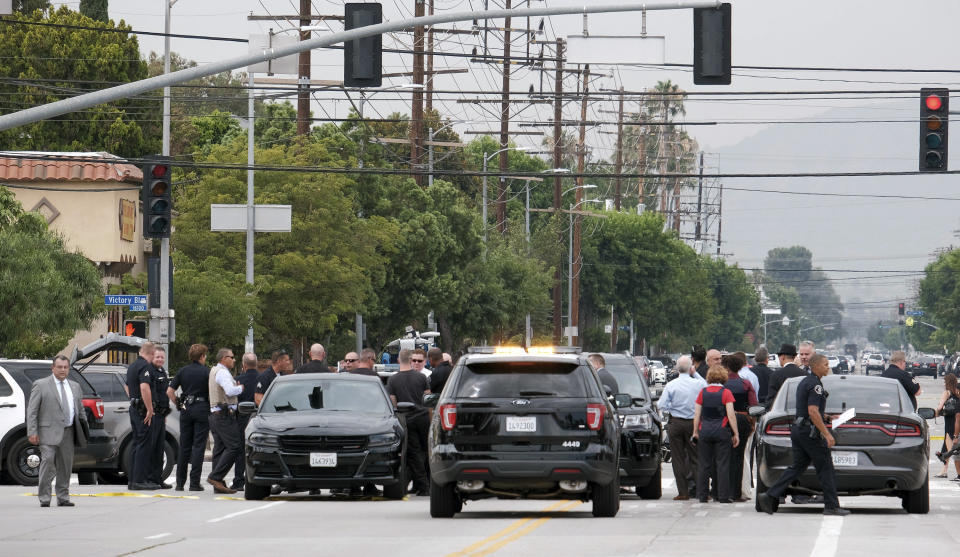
(713, 359)
(350, 362)
(316, 364)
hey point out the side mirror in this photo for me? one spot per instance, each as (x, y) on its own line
(622, 400)
(247, 408)
(430, 400)
(757, 411)
(926, 413)
(405, 407)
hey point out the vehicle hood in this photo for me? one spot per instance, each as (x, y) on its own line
(325, 423)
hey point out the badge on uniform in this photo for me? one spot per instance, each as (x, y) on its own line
(818, 389)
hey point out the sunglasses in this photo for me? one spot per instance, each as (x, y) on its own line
(350, 361)
(417, 361)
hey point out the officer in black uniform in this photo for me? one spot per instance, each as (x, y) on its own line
(158, 426)
(193, 382)
(139, 384)
(811, 443)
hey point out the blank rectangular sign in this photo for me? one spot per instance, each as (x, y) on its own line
(233, 218)
(606, 50)
(284, 65)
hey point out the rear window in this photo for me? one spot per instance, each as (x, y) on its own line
(528, 379)
(107, 386)
(873, 398)
(628, 380)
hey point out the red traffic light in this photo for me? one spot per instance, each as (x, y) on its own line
(159, 170)
(900, 308)
(934, 102)
(128, 330)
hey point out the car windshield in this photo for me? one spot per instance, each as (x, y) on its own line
(628, 380)
(325, 395)
(868, 397)
(511, 379)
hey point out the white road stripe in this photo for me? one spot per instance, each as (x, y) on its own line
(667, 483)
(700, 514)
(829, 536)
(260, 508)
(736, 514)
(651, 505)
(157, 536)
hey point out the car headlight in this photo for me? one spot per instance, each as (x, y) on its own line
(637, 420)
(383, 439)
(263, 439)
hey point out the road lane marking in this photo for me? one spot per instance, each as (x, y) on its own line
(828, 538)
(157, 536)
(667, 483)
(516, 530)
(238, 513)
(124, 494)
(700, 514)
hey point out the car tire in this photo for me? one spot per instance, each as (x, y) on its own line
(113, 478)
(126, 459)
(17, 468)
(761, 489)
(918, 501)
(87, 478)
(606, 499)
(254, 492)
(444, 500)
(654, 488)
(399, 489)
(170, 456)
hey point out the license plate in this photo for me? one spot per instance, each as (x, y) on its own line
(323, 460)
(522, 424)
(844, 459)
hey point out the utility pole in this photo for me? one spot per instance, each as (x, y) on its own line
(557, 191)
(696, 235)
(581, 153)
(303, 73)
(719, 219)
(429, 102)
(616, 195)
(504, 128)
(416, 116)
(642, 146)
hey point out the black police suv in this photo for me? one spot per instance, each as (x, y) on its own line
(315, 431)
(883, 450)
(516, 425)
(640, 427)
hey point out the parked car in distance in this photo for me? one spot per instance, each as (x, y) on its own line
(875, 362)
(19, 459)
(883, 450)
(924, 365)
(658, 371)
(321, 431)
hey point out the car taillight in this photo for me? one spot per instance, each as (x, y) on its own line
(778, 428)
(448, 416)
(95, 405)
(894, 429)
(595, 416)
(904, 430)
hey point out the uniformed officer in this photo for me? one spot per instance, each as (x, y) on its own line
(139, 384)
(192, 380)
(811, 443)
(161, 408)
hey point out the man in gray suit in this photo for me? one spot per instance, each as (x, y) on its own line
(57, 422)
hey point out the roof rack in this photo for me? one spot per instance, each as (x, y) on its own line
(520, 350)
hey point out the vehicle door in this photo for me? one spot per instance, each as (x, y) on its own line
(13, 403)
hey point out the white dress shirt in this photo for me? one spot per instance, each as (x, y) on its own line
(226, 382)
(69, 391)
(749, 375)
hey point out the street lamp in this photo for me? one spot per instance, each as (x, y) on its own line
(430, 134)
(570, 265)
(485, 160)
(785, 322)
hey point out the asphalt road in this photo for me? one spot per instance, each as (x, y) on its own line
(111, 521)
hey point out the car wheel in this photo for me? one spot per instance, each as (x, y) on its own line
(399, 489)
(654, 488)
(761, 489)
(112, 478)
(23, 462)
(444, 500)
(87, 478)
(169, 459)
(606, 498)
(253, 492)
(918, 501)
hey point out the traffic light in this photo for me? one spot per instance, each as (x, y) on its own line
(711, 45)
(934, 120)
(135, 328)
(362, 58)
(900, 309)
(156, 198)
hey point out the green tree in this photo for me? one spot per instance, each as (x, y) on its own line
(792, 267)
(940, 299)
(51, 63)
(30, 6)
(47, 292)
(738, 304)
(95, 9)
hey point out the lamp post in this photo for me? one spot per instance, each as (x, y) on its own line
(485, 160)
(785, 322)
(570, 265)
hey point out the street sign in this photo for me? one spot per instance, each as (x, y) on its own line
(624, 50)
(233, 218)
(909, 322)
(133, 300)
(771, 311)
(915, 312)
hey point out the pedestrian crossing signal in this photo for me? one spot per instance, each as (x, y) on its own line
(135, 328)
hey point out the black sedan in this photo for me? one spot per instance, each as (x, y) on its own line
(882, 450)
(924, 365)
(324, 431)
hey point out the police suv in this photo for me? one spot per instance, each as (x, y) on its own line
(513, 424)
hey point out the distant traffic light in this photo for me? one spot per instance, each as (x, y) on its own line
(157, 199)
(900, 309)
(711, 45)
(135, 328)
(934, 120)
(362, 58)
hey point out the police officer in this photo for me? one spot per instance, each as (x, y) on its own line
(249, 381)
(192, 380)
(811, 443)
(140, 386)
(158, 426)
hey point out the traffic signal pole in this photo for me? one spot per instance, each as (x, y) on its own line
(161, 325)
(110, 94)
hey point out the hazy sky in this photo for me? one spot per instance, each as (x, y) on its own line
(878, 234)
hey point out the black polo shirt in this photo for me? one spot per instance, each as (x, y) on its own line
(909, 383)
(439, 377)
(264, 380)
(409, 386)
(810, 391)
(314, 366)
(249, 381)
(139, 372)
(364, 371)
(193, 380)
